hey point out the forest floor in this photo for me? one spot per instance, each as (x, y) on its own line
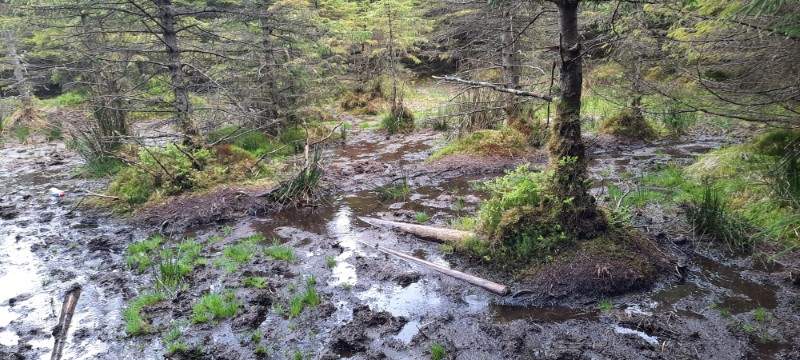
(371, 306)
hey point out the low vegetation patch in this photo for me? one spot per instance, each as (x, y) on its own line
(141, 253)
(504, 142)
(400, 120)
(280, 252)
(732, 194)
(240, 253)
(309, 297)
(214, 307)
(628, 123)
(136, 322)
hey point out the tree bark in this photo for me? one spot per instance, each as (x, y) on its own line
(511, 62)
(108, 104)
(578, 212)
(181, 105)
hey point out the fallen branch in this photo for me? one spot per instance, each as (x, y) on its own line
(491, 286)
(495, 87)
(430, 232)
(60, 331)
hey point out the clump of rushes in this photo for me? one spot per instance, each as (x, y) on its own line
(140, 254)
(214, 307)
(710, 216)
(173, 342)
(280, 252)
(395, 190)
(438, 352)
(256, 282)
(239, 253)
(330, 261)
(135, 322)
(309, 297)
(176, 263)
(605, 305)
(421, 217)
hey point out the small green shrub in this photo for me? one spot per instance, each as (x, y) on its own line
(213, 307)
(761, 314)
(280, 252)
(135, 322)
(257, 282)
(421, 217)
(132, 186)
(438, 352)
(69, 98)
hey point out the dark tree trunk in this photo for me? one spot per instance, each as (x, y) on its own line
(181, 105)
(110, 112)
(579, 213)
(271, 97)
(511, 62)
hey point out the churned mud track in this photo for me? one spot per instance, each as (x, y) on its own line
(374, 306)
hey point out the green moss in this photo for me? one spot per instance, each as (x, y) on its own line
(629, 124)
(518, 220)
(135, 322)
(66, 99)
(731, 195)
(504, 142)
(213, 307)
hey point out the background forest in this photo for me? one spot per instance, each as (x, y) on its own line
(611, 131)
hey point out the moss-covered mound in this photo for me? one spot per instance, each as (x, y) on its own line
(520, 229)
(628, 123)
(503, 142)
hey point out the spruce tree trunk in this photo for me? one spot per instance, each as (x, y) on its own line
(579, 214)
(511, 62)
(181, 105)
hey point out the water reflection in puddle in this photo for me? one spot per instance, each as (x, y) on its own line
(342, 228)
(413, 300)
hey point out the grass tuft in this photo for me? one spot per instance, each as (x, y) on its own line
(280, 252)
(438, 352)
(214, 307)
(135, 321)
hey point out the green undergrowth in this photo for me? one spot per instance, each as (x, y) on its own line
(503, 142)
(175, 169)
(136, 322)
(627, 123)
(280, 252)
(737, 194)
(308, 298)
(239, 253)
(518, 222)
(399, 121)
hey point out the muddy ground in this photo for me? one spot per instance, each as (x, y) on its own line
(372, 306)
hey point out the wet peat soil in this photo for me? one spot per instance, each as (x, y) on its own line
(373, 306)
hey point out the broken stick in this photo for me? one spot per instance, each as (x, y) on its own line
(430, 232)
(494, 287)
(60, 331)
